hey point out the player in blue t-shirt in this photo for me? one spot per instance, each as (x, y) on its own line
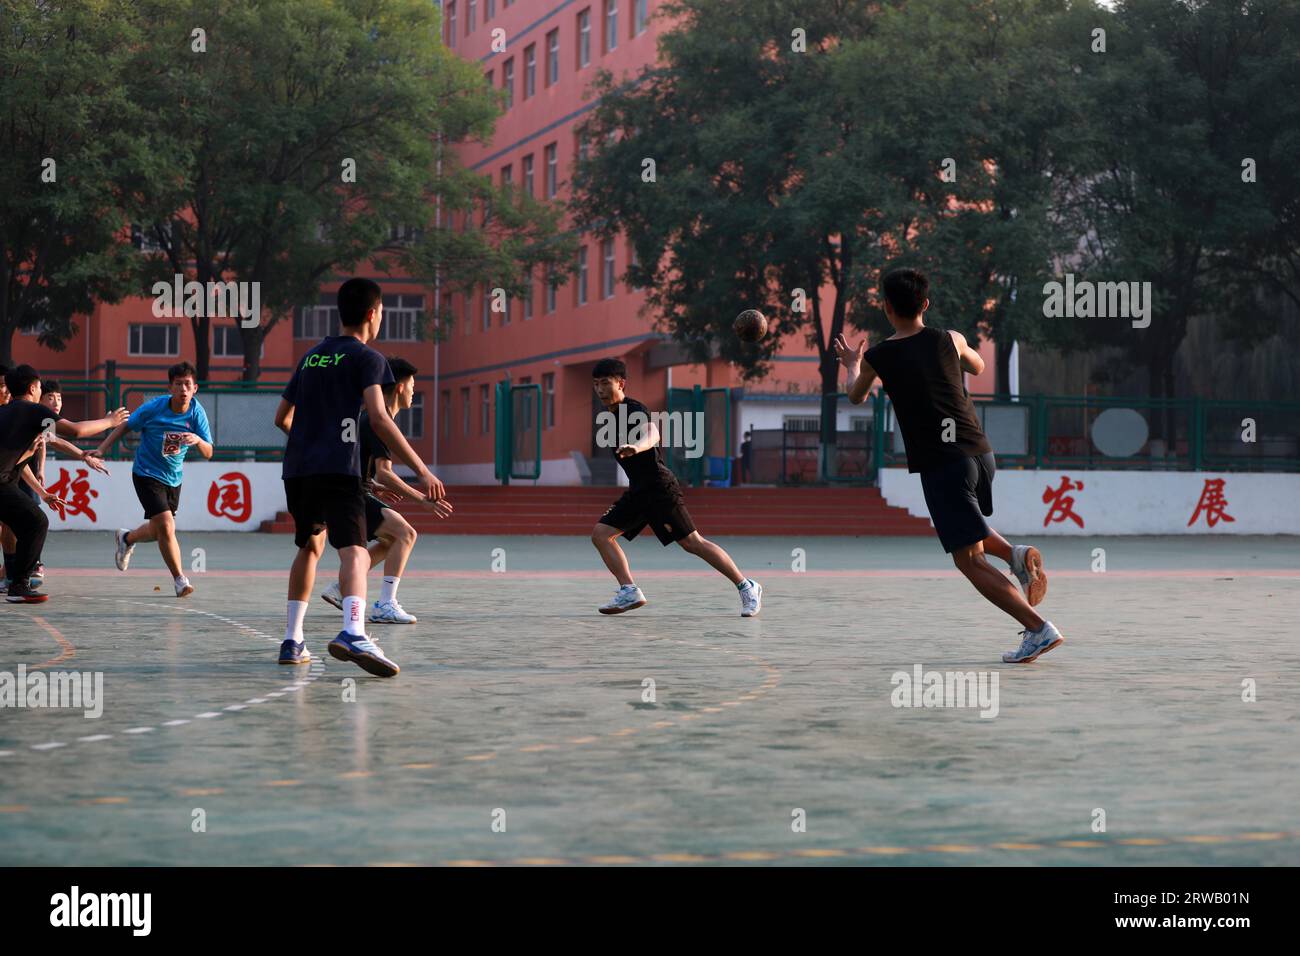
(168, 425)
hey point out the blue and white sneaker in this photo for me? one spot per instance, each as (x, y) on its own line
(1027, 566)
(38, 576)
(389, 612)
(626, 598)
(1034, 644)
(363, 652)
(751, 599)
(294, 652)
(333, 595)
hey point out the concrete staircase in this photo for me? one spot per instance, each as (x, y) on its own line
(574, 510)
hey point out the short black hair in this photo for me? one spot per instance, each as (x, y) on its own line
(612, 367)
(401, 369)
(20, 378)
(356, 298)
(180, 370)
(906, 290)
(50, 386)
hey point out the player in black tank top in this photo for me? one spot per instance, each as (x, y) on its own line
(921, 370)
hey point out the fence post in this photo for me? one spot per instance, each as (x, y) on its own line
(878, 429)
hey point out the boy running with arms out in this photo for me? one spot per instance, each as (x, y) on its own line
(391, 535)
(322, 470)
(921, 370)
(24, 423)
(169, 426)
(653, 498)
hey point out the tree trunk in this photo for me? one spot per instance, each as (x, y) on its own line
(1002, 365)
(252, 339)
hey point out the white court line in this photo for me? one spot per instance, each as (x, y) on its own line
(316, 670)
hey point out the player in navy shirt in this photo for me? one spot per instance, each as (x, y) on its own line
(319, 410)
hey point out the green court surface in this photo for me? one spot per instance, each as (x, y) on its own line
(519, 705)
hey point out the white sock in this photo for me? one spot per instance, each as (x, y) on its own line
(182, 579)
(353, 622)
(293, 630)
(389, 590)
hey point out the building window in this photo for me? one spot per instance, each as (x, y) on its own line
(444, 408)
(487, 309)
(528, 296)
(226, 342)
(548, 400)
(528, 174)
(485, 416)
(155, 339)
(584, 38)
(553, 57)
(640, 16)
(580, 292)
(580, 147)
(146, 238)
(508, 81)
(801, 423)
(530, 70)
(490, 76)
(611, 24)
(451, 24)
(469, 17)
(411, 420)
(401, 234)
(552, 170)
(507, 174)
(607, 269)
(403, 315)
(489, 10)
(552, 284)
(505, 315)
(469, 311)
(317, 321)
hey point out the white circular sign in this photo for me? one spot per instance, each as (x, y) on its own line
(1119, 432)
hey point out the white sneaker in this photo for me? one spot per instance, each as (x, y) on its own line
(388, 612)
(1034, 644)
(184, 588)
(332, 595)
(751, 599)
(1027, 566)
(626, 598)
(123, 556)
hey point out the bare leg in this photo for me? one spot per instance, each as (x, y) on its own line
(354, 562)
(704, 548)
(998, 546)
(605, 538)
(398, 538)
(302, 575)
(995, 586)
(160, 528)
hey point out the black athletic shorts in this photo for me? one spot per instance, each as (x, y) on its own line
(662, 508)
(327, 502)
(154, 496)
(374, 516)
(959, 495)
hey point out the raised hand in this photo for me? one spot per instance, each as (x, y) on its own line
(94, 461)
(849, 357)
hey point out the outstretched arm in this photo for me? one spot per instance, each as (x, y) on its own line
(93, 427)
(859, 370)
(112, 438)
(396, 442)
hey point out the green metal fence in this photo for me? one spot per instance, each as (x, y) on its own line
(518, 438)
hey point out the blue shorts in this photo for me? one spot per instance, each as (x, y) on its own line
(959, 494)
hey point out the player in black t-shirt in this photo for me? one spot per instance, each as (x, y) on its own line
(653, 498)
(391, 535)
(322, 469)
(921, 370)
(24, 424)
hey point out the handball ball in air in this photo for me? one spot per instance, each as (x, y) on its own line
(750, 326)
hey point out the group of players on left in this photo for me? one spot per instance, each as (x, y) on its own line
(31, 425)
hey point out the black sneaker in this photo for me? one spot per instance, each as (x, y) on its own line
(24, 593)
